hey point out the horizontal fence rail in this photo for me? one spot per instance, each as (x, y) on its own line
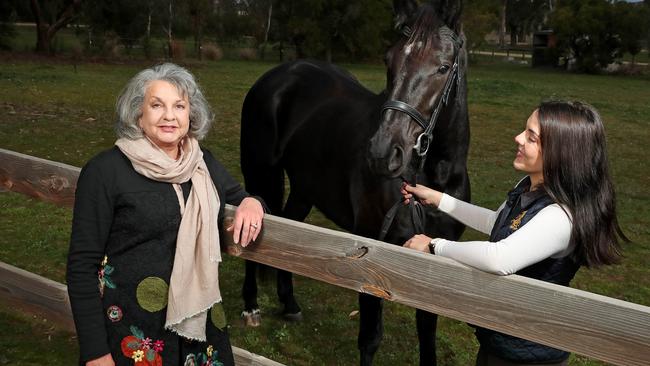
(592, 325)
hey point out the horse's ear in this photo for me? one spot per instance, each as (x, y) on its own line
(449, 11)
(404, 10)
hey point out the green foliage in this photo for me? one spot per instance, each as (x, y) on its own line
(125, 18)
(632, 25)
(323, 28)
(479, 18)
(524, 16)
(586, 33)
(7, 29)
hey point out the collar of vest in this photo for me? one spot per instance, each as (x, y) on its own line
(528, 197)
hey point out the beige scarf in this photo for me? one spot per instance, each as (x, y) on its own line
(194, 283)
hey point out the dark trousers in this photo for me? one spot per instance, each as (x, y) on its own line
(486, 359)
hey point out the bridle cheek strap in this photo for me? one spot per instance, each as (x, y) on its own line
(424, 139)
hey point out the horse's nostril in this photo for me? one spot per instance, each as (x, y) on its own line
(396, 160)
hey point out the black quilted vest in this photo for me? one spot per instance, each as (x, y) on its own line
(522, 206)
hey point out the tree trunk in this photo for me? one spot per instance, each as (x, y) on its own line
(146, 45)
(502, 27)
(45, 32)
(169, 30)
(197, 34)
(268, 22)
(42, 41)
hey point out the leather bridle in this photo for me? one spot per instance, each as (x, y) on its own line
(423, 141)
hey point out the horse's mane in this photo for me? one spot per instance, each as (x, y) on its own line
(426, 20)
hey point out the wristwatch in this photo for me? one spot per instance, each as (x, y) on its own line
(432, 245)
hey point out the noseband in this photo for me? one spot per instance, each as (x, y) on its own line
(424, 139)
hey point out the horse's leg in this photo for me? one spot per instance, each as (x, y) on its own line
(294, 210)
(266, 181)
(426, 325)
(251, 313)
(371, 327)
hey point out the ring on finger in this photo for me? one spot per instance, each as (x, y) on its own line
(254, 226)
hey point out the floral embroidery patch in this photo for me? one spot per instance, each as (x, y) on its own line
(207, 358)
(143, 351)
(516, 222)
(104, 275)
(114, 313)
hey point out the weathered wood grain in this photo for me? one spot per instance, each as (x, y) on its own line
(245, 358)
(35, 294)
(43, 179)
(596, 326)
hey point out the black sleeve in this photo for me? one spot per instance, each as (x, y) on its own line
(91, 222)
(230, 191)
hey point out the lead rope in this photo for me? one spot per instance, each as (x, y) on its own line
(417, 211)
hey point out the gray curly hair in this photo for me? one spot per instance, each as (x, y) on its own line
(129, 103)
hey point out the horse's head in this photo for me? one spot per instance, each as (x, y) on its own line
(423, 68)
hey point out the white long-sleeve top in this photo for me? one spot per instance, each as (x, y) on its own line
(546, 235)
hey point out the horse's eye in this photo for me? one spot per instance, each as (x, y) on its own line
(443, 69)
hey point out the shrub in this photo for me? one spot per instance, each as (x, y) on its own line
(247, 54)
(211, 51)
(178, 50)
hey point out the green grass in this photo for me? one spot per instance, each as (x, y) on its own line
(54, 112)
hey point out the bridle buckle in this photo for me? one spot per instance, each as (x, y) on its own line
(421, 146)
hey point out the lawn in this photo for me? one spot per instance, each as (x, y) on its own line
(56, 111)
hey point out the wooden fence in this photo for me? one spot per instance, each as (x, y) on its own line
(596, 326)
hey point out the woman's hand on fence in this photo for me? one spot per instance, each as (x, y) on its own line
(248, 221)
(422, 194)
(105, 360)
(418, 242)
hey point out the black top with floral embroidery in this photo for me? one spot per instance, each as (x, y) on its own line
(120, 260)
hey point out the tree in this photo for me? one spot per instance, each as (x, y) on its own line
(50, 17)
(631, 20)
(324, 28)
(502, 23)
(480, 17)
(7, 31)
(198, 10)
(523, 17)
(128, 19)
(586, 33)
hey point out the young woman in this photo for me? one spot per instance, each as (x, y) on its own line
(144, 252)
(561, 216)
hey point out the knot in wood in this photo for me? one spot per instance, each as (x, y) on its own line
(376, 291)
(55, 183)
(356, 252)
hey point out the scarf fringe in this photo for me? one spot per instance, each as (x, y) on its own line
(170, 326)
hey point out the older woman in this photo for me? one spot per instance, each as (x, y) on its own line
(143, 263)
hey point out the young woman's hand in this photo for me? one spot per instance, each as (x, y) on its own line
(420, 193)
(418, 242)
(105, 360)
(248, 221)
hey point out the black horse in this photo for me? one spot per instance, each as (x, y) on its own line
(346, 150)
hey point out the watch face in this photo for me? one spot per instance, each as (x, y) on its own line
(432, 248)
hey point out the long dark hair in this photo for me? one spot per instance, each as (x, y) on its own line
(576, 175)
